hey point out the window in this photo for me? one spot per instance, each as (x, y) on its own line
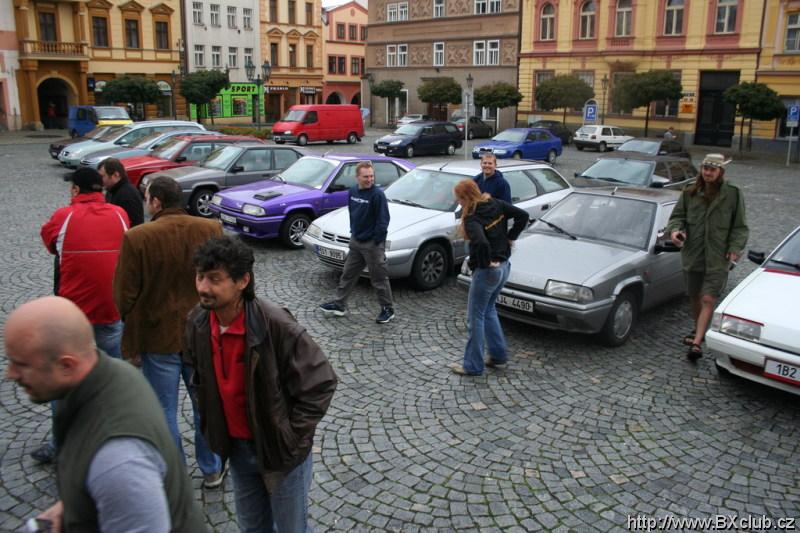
(214, 10)
(310, 56)
(726, 16)
(309, 14)
(540, 77)
(397, 55)
(292, 12)
(197, 12)
(355, 66)
(273, 10)
(273, 54)
(479, 53)
(363, 33)
(587, 76)
(673, 18)
(438, 54)
(668, 108)
(248, 56)
(340, 31)
(616, 78)
(131, 33)
(548, 23)
(397, 12)
(793, 33)
(292, 55)
(231, 16)
(493, 58)
(341, 64)
(162, 35)
(362, 64)
(487, 6)
(438, 8)
(100, 31)
(352, 32)
(199, 55)
(233, 55)
(247, 18)
(624, 18)
(402, 55)
(284, 158)
(587, 20)
(47, 26)
(332, 65)
(402, 11)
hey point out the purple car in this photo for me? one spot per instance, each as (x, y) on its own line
(284, 205)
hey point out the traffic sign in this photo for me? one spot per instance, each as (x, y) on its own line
(590, 113)
(793, 116)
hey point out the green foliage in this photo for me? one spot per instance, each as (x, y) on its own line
(499, 94)
(440, 91)
(387, 89)
(755, 101)
(201, 87)
(131, 89)
(263, 133)
(563, 91)
(643, 88)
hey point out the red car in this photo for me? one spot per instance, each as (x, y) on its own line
(179, 151)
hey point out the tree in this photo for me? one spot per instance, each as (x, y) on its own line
(563, 91)
(200, 87)
(644, 88)
(439, 92)
(389, 89)
(132, 89)
(754, 101)
(497, 95)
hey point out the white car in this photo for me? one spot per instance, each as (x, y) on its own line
(423, 241)
(600, 137)
(755, 332)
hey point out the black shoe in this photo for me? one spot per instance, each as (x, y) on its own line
(695, 352)
(332, 308)
(387, 313)
(491, 363)
(44, 454)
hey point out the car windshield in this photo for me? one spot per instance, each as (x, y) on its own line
(97, 132)
(146, 140)
(611, 219)
(294, 115)
(638, 145)
(221, 158)
(430, 189)
(112, 134)
(408, 129)
(620, 171)
(309, 171)
(787, 257)
(111, 113)
(510, 136)
(170, 148)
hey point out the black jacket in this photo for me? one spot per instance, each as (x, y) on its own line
(125, 195)
(488, 233)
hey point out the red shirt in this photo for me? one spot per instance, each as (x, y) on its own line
(228, 353)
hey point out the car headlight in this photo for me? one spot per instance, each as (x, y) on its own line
(314, 231)
(500, 152)
(253, 210)
(739, 327)
(395, 143)
(287, 132)
(216, 199)
(568, 291)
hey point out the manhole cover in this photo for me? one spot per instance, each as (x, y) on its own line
(43, 136)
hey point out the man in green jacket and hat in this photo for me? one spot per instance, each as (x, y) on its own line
(708, 224)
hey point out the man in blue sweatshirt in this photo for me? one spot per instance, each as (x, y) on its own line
(491, 180)
(369, 222)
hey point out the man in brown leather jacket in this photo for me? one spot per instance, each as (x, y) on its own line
(262, 386)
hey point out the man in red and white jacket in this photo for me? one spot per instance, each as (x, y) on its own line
(85, 238)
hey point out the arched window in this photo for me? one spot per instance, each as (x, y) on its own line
(548, 23)
(588, 12)
(673, 19)
(624, 18)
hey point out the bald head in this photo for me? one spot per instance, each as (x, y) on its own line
(50, 347)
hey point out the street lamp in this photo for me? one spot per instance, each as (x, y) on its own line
(260, 80)
(604, 85)
(174, 96)
(370, 81)
(468, 96)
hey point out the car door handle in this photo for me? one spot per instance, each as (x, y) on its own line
(545, 207)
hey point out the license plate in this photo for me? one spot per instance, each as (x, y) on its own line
(328, 252)
(515, 303)
(380, 148)
(227, 218)
(277, 138)
(782, 372)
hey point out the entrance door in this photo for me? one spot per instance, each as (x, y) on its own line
(55, 97)
(716, 119)
(273, 107)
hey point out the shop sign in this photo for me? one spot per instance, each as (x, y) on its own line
(310, 90)
(164, 87)
(242, 88)
(276, 88)
(98, 86)
(687, 108)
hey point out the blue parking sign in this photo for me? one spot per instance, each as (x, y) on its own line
(793, 116)
(590, 113)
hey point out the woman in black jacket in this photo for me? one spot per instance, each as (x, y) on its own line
(484, 223)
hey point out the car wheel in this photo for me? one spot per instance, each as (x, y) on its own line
(352, 138)
(200, 201)
(579, 147)
(410, 151)
(603, 147)
(551, 157)
(621, 319)
(293, 229)
(471, 134)
(430, 266)
(302, 140)
(451, 149)
(517, 155)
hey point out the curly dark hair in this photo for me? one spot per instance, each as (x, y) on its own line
(231, 255)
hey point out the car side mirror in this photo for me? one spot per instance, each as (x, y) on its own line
(237, 168)
(337, 187)
(756, 257)
(459, 212)
(576, 174)
(180, 159)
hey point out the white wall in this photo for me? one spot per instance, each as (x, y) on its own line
(9, 64)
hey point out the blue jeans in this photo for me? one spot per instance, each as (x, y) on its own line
(164, 371)
(258, 511)
(483, 324)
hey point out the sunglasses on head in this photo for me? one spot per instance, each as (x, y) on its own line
(710, 167)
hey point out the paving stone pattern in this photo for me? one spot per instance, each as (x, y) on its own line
(572, 436)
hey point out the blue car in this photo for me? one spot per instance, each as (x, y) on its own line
(521, 143)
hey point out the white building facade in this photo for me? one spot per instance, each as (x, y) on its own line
(10, 118)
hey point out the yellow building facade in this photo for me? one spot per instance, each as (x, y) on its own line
(708, 45)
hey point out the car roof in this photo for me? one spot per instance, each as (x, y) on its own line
(218, 138)
(430, 122)
(346, 158)
(656, 195)
(473, 166)
(142, 123)
(640, 156)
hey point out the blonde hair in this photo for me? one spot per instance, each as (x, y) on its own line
(469, 195)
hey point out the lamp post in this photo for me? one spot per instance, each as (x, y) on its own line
(604, 85)
(174, 96)
(370, 81)
(468, 97)
(260, 80)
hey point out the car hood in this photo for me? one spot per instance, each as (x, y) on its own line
(770, 298)
(401, 217)
(391, 138)
(180, 174)
(540, 257)
(142, 161)
(116, 151)
(85, 145)
(497, 144)
(269, 190)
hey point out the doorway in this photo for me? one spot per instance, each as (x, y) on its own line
(333, 98)
(55, 97)
(716, 119)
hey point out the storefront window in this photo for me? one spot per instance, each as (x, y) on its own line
(239, 104)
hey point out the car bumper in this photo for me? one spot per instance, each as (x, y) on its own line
(553, 313)
(747, 359)
(257, 227)
(583, 143)
(333, 255)
(283, 137)
(69, 161)
(54, 153)
(389, 150)
(476, 154)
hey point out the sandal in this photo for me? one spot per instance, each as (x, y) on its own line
(695, 352)
(688, 340)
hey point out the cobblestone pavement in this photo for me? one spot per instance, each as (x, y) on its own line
(572, 436)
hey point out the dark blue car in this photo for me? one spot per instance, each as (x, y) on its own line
(521, 143)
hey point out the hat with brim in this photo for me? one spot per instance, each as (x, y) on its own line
(715, 160)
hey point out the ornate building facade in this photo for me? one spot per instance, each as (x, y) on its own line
(344, 37)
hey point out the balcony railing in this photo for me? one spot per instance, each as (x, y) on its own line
(54, 49)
